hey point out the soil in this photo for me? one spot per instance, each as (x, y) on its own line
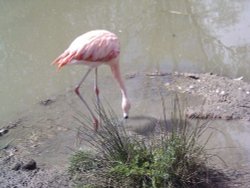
(224, 98)
(14, 174)
(46, 134)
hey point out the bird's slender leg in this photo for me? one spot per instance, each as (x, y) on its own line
(97, 91)
(84, 101)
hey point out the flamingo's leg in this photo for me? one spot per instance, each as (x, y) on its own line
(84, 101)
(97, 91)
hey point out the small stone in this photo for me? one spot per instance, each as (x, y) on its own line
(31, 165)
(3, 131)
(17, 166)
(191, 87)
(222, 93)
(240, 78)
(167, 84)
(46, 102)
(193, 77)
(130, 75)
(228, 117)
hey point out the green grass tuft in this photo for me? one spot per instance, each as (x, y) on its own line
(170, 159)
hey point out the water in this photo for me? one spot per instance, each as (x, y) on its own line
(196, 36)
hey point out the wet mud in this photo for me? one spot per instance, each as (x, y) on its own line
(224, 98)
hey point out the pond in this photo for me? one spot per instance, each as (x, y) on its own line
(182, 35)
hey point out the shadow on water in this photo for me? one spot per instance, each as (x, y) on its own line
(146, 125)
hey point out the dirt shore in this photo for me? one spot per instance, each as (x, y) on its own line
(224, 98)
(47, 135)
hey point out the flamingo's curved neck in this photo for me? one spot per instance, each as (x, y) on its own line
(115, 67)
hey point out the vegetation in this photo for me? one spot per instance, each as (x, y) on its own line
(173, 158)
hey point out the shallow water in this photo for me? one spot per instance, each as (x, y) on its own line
(177, 35)
(195, 36)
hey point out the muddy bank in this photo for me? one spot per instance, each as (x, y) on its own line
(224, 98)
(22, 172)
(47, 133)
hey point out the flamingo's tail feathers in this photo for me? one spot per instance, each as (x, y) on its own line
(63, 59)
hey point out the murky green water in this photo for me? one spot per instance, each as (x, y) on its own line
(175, 35)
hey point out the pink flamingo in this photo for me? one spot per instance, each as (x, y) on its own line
(93, 49)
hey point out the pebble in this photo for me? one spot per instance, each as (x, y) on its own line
(3, 131)
(240, 78)
(17, 166)
(46, 102)
(191, 87)
(167, 84)
(222, 93)
(30, 165)
(130, 75)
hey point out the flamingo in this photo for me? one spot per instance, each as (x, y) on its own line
(95, 48)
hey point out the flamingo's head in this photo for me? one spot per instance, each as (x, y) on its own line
(125, 107)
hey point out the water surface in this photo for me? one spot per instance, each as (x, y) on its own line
(182, 35)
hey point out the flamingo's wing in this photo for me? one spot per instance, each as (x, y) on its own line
(94, 46)
(98, 47)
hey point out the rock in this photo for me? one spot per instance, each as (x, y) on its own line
(12, 125)
(157, 73)
(47, 102)
(17, 166)
(167, 84)
(240, 78)
(3, 131)
(191, 87)
(222, 93)
(195, 77)
(130, 75)
(30, 165)
(228, 117)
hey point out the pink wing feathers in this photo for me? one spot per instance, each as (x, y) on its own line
(94, 46)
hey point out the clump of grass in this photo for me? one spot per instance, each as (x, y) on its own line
(170, 159)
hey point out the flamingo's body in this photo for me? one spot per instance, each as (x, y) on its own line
(93, 49)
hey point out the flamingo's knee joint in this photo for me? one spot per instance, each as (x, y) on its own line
(77, 91)
(97, 91)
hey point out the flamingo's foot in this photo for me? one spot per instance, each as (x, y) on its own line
(95, 124)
